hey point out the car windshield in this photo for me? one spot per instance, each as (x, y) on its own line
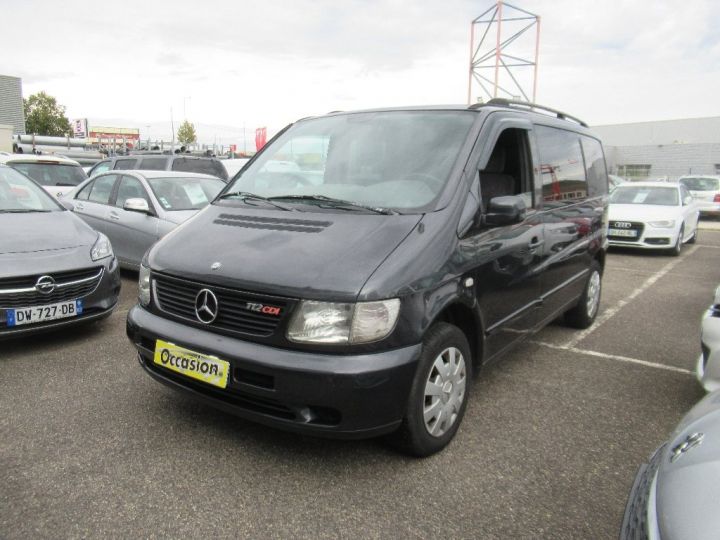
(662, 196)
(52, 174)
(212, 167)
(398, 160)
(20, 194)
(185, 193)
(701, 184)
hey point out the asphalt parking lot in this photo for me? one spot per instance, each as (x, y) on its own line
(90, 446)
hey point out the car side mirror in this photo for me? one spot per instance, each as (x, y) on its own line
(137, 205)
(688, 200)
(505, 210)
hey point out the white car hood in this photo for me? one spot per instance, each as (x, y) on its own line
(642, 212)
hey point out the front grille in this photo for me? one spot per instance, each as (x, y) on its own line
(635, 525)
(634, 226)
(18, 292)
(176, 297)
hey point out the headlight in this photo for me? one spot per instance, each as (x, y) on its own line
(330, 322)
(101, 249)
(144, 286)
(667, 224)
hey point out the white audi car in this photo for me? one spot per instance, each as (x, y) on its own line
(652, 215)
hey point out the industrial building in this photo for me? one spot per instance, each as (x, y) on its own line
(11, 103)
(665, 148)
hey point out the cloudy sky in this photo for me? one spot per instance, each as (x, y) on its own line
(229, 64)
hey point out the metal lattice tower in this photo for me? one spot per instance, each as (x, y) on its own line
(503, 29)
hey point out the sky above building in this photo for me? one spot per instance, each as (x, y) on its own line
(229, 64)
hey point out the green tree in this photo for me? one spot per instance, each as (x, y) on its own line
(44, 116)
(186, 133)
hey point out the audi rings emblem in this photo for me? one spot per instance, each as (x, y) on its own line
(623, 225)
(206, 306)
(45, 285)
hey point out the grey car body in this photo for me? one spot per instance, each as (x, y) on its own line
(162, 162)
(708, 363)
(48, 241)
(131, 231)
(675, 495)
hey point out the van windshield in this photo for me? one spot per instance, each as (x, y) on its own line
(398, 159)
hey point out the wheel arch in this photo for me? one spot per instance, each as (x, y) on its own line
(469, 321)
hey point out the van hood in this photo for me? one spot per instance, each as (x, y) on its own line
(316, 255)
(43, 231)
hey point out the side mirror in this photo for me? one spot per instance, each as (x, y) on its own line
(137, 205)
(505, 210)
(688, 200)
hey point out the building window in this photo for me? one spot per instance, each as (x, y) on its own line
(634, 171)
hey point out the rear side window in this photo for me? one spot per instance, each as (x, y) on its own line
(154, 164)
(102, 189)
(594, 166)
(204, 166)
(701, 184)
(125, 164)
(561, 166)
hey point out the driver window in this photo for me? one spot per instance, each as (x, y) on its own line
(508, 170)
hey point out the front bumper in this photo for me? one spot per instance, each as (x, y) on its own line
(97, 305)
(342, 396)
(707, 369)
(651, 238)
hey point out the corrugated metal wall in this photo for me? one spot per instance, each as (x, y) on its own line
(11, 103)
(671, 160)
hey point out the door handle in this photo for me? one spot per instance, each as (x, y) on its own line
(535, 243)
(114, 216)
(79, 206)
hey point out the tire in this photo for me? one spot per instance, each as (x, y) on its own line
(583, 314)
(423, 438)
(677, 249)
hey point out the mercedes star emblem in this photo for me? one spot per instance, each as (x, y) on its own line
(206, 306)
(215, 265)
(45, 284)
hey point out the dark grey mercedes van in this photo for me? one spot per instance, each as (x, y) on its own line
(352, 278)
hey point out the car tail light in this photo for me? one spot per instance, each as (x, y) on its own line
(717, 197)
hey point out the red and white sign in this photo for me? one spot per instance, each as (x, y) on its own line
(260, 138)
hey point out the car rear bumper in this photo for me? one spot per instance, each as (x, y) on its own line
(342, 396)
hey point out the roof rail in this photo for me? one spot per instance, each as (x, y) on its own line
(502, 102)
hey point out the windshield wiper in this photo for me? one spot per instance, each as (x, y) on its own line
(337, 203)
(247, 196)
(21, 210)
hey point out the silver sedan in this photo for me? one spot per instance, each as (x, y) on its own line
(137, 208)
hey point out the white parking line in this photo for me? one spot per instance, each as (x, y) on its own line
(614, 357)
(611, 312)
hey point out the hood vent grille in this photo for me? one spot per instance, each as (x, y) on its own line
(272, 224)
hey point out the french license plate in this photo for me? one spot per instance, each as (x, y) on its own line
(38, 314)
(198, 366)
(622, 232)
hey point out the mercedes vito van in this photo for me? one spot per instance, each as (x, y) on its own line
(356, 293)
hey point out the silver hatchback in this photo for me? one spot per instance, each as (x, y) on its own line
(706, 191)
(137, 208)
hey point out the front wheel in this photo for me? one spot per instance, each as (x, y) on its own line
(585, 311)
(677, 248)
(439, 393)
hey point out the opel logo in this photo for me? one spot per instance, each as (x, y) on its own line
(623, 225)
(206, 306)
(45, 285)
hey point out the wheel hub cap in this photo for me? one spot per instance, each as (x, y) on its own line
(444, 391)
